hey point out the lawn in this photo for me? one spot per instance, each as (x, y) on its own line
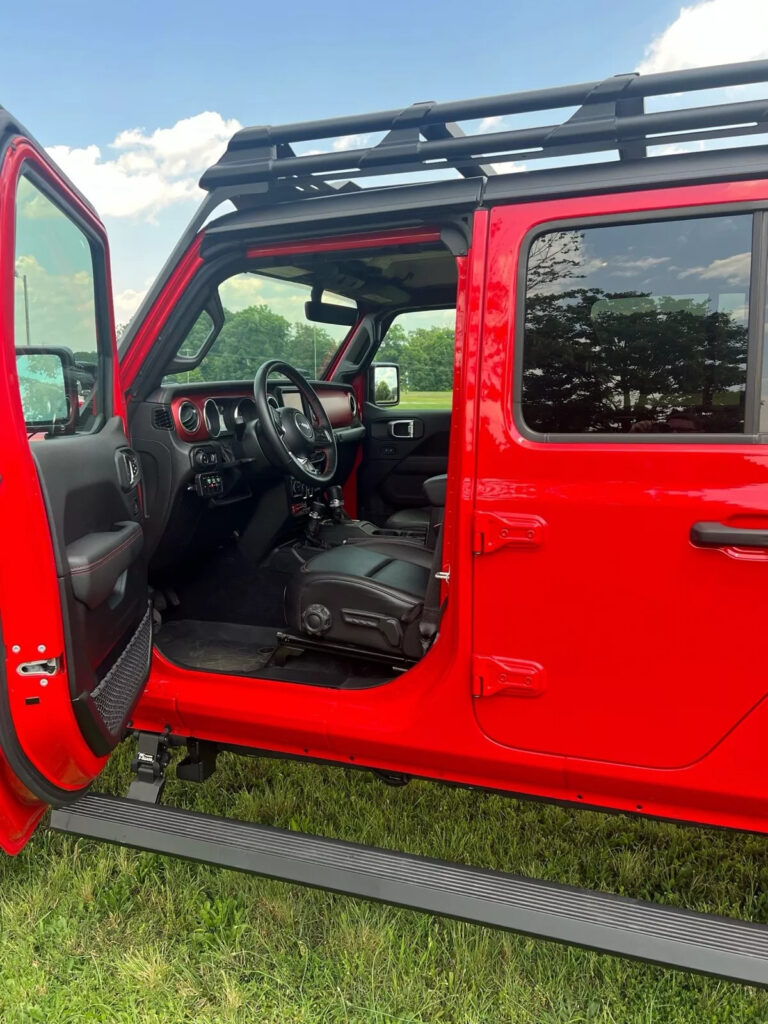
(95, 933)
(425, 400)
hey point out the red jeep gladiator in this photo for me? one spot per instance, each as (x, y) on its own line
(240, 530)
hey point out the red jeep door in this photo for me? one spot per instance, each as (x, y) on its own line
(76, 626)
(622, 491)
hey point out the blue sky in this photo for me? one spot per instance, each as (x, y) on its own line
(134, 100)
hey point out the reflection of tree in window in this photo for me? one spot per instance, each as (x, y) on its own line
(617, 361)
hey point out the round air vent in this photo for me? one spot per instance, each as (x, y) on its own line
(353, 405)
(212, 418)
(245, 410)
(189, 417)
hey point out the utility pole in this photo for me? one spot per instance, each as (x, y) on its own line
(26, 305)
(26, 301)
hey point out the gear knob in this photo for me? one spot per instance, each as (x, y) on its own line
(336, 502)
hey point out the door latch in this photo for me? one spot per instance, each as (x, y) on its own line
(49, 667)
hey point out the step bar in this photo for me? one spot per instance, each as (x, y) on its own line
(719, 946)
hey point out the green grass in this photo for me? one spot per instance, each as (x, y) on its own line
(95, 933)
(425, 400)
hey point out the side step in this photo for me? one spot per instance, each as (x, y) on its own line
(720, 946)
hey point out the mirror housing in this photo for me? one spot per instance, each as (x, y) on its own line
(48, 388)
(385, 384)
(330, 313)
(320, 312)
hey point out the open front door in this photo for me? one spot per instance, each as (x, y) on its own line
(74, 613)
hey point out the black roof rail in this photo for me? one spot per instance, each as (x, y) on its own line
(261, 165)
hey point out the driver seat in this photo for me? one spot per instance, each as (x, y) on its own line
(369, 594)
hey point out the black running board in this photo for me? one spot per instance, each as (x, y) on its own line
(719, 946)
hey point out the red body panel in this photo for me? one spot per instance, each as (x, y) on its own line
(590, 654)
(633, 713)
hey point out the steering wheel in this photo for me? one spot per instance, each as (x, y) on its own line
(289, 438)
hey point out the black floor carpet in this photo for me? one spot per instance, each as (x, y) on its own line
(242, 650)
(217, 646)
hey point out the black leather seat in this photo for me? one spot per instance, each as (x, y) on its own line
(409, 519)
(421, 518)
(369, 594)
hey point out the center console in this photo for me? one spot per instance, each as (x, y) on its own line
(350, 530)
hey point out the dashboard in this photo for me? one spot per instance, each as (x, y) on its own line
(207, 415)
(203, 483)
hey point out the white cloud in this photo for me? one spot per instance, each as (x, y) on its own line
(126, 303)
(732, 269)
(149, 171)
(712, 32)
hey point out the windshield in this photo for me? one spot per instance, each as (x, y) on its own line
(263, 319)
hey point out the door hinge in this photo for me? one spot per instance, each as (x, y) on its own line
(510, 677)
(492, 531)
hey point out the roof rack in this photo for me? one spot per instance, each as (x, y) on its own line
(262, 162)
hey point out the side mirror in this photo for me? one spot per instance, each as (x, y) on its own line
(385, 383)
(48, 388)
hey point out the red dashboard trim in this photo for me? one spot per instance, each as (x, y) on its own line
(335, 401)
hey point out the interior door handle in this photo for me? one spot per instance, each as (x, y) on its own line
(718, 535)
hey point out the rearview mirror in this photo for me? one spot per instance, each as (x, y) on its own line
(385, 383)
(47, 388)
(330, 313)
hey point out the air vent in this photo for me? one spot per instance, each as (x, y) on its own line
(353, 405)
(189, 417)
(162, 419)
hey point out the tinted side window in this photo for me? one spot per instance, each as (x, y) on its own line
(55, 325)
(638, 328)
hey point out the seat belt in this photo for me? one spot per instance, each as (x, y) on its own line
(432, 610)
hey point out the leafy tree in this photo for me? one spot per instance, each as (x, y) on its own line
(597, 361)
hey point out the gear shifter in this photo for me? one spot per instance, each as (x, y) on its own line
(335, 497)
(314, 522)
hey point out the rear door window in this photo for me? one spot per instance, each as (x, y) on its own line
(638, 328)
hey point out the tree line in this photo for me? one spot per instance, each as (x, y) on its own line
(252, 335)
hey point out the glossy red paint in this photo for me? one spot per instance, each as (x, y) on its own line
(47, 731)
(632, 714)
(153, 323)
(612, 599)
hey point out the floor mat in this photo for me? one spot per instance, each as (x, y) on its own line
(216, 646)
(241, 650)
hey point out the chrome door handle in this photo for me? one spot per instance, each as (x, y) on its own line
(401, 428)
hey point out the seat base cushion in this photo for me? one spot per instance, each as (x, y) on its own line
(369, 594)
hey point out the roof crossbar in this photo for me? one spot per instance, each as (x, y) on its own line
(426, 137)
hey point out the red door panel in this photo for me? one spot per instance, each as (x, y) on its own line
(68, 608)
(641, 649)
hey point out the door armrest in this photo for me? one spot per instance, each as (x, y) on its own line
(98, 560)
